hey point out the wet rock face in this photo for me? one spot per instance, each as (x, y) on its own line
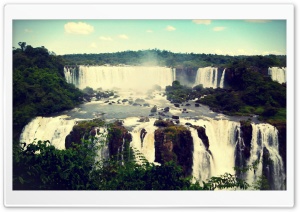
(166, 109)
(246, 135)
(83, 130)
(202, 135)
(142, 136)
(174, 143)
(73, 138)
(267, 167)
(144, 119)
(118, 140)
(282, 141)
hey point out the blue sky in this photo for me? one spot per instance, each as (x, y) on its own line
(232, 37)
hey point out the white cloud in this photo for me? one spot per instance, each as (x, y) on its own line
(218, 51)
(93, 45)
(170, 28)
(217, 29)
(105, 38)
(258, 21)
(241, 51)
(78, 28)
(27, 30)
(206, 22)
(272, 52)
(124, 37)
(149, 31)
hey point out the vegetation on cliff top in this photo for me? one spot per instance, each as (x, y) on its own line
(170, 59)
(251, 94)
(39, 86)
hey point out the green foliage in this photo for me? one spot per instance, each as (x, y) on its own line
(261, 184)
(42, 167)
(133, 176)
(226, 181)
(39, 166)
(252, 94)
(39, 86)
(177, 60)
(178, 93)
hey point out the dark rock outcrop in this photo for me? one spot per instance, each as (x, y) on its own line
(154, 109)
(82, 130)
(175, 117)
(246, 135)
(201, 131)
(118, 141)
(166, 109)
(144, 119)
(174, 143)
(163, 123)
(281, 127)
(142, 136)
(267, 168)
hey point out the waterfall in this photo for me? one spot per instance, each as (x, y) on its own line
(148, 149)
(224, 144)
(202, 160)
(124, 77)
(54, 129)
(277, 74)
(222, 140)
(222, 79)
(101, 136)
(266, 136)
(208, 77)
(221, 156)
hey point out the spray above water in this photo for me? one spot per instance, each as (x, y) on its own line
(137, 78)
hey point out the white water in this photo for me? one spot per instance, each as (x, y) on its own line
(124, 77)
(207, 76)
(222, 141)
(148, 149)
(222, 79)
(266, 135)
(101, 136)
(54, 129)
(223, 137)
(223, 134)
(277, 74)
(202, 160)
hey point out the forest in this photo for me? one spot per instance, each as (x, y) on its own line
(39, 86)
(175, 60)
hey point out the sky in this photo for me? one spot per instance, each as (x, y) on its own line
(222, 37)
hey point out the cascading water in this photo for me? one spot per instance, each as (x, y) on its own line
(266, 136)
(219, 158)
(202, 160)
(101, 142)
(222, 141)
(147, 148)
(124, 77)
(222, 79)
(277, 74)
(225, 141)
(54, 129)
(208, 77)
